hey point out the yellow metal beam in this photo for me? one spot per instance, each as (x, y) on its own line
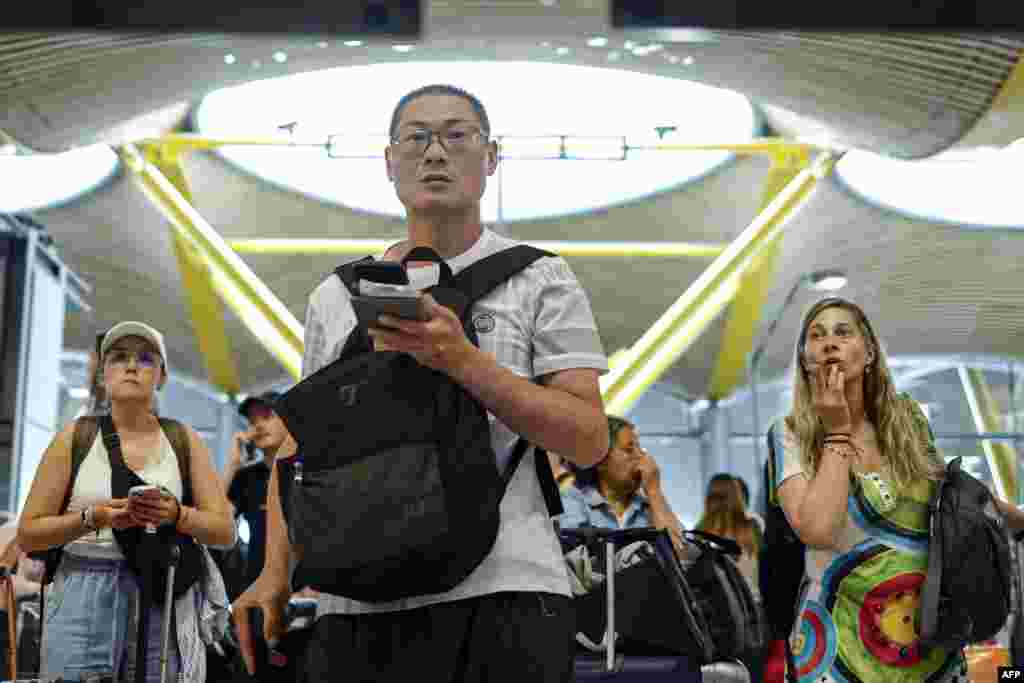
(257, 307)
(745, 310)
(1001, 456)
(563, 248)
(207, 310)
(698, 306)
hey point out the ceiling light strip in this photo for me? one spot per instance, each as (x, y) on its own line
(767, 145)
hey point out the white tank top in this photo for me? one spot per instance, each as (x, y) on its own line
(92, 487)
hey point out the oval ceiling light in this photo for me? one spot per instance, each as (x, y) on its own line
(976, 188)
(524, 100)
(41, 181)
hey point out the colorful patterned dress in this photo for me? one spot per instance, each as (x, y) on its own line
(859, 619)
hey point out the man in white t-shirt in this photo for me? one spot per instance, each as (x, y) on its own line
(535, 371)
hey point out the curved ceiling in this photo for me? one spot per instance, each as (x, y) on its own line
(576, 102)
(930, 289)
(905, 95)
(38, 181)
(976, 188)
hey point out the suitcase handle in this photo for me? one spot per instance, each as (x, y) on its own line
(719, 543)
(7, 585)
(619, 537)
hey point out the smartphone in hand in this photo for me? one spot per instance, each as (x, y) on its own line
(142, 489)
(264, 655)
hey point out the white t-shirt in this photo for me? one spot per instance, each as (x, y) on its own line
(538, 322)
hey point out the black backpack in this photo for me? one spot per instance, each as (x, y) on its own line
(735, 621)
(782, 564)
(966, 595)
(394, 491)
(655, 609)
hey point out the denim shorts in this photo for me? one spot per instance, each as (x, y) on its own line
(89, 623)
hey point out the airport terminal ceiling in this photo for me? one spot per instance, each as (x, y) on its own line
(932, 287)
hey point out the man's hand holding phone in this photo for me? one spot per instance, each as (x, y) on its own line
(439, 342)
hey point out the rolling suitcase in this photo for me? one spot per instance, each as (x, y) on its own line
(169, 554)
(618, 667)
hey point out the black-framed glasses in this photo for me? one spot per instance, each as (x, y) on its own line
(416, 141)
(118, 358)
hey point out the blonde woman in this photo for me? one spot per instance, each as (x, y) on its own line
(90, 605)
(857, 469)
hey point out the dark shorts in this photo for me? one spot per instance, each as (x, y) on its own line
(513, 637)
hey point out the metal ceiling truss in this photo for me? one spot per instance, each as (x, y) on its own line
(1001, 455)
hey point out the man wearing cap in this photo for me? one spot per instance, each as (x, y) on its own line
(246, 487)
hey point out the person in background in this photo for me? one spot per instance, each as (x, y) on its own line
(745, 490)
(89, 606)
(96, 403)
(623, 491)
(725, 514)
(245, 483)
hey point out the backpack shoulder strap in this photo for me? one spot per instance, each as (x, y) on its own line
(773, 476)
(478, 279)
(81, 441)
(475, 282)
(177, 434)
(548, 485)
(347, 274)
(357, 339)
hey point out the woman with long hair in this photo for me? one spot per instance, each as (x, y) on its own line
(725, 514)
(95, 593)
(858, 468)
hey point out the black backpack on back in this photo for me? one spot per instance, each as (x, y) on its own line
(394, 491)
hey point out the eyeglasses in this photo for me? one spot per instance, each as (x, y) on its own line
(415, 142)
(121, 359)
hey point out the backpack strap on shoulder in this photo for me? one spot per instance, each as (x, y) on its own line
(347, 274)
(81, 442)
(357, 339)
(478, 279)
(177, 435)
(82, 439)
(548, 485)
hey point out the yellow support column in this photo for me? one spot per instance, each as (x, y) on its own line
(746, 307)
(698, 306)
(259, 309)
(1001, 456)
(207, 310)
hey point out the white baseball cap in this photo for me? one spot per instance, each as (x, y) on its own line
(130, 328)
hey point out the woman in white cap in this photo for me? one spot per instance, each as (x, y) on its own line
(93, 596)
